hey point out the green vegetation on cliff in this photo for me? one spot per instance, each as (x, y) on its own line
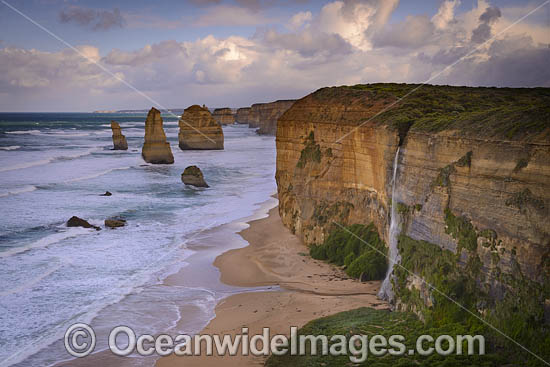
(505, 112)
(358, 247)
(461, 298)
(368, 321)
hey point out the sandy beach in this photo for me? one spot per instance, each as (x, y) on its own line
(309, 289)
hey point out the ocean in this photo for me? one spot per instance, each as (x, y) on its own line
(56, 165)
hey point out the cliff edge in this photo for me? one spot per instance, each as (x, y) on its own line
(465, 172)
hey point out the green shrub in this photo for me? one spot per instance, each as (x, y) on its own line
(358, 247)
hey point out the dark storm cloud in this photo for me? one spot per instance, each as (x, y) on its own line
(97, 20)
(483, 31)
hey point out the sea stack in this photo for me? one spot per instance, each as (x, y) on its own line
(119, 140)
(199, 130)
(192, 175)
(156, 149)
(224, 116)
(242, 115)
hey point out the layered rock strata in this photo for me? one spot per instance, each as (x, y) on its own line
(473, 176)
(156, 149)
(199, 130)
(264, 115)
(242, 115)
(224, 116)
(119, 140)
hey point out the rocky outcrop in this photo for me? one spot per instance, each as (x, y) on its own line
(264, 115)
(79, 222)
(115, 222)
(156, 149)
(199, 130)
(119, 140)
(192, 175)
(224, 116)
(473, 178)
(107, 193)
(242, 115)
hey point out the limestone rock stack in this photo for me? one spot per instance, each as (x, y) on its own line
(156, 149)
(119, 140)
(199, 130)
(265, 115)
(192, 175)
(242, 115)
(224, 116)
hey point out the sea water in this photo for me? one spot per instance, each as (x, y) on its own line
(56, 165)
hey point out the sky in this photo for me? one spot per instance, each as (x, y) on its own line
(71, 55)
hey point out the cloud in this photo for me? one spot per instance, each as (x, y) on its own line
(344, 42)
(299, 20)
(483, 31)
(413, 32)
(228, 15)
(445, 14)
(97, 20)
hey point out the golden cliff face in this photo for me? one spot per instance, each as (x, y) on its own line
(496, 187)
(265, 115)
(199, 130)
(156, 149)
(224, 116)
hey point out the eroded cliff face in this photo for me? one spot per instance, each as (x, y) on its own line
(481, 191)
(224, 116)
(156, 149)
(265, 115)
(199, 130)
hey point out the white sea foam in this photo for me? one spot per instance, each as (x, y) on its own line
(27, 188)
(22, 132)
(12, 147)
(46, 241)
(47, 160)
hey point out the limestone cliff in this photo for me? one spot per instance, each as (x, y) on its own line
(473, 177)
(264, 115)
(224, 116)
(242, 115)
(156, 149)
(199, 130)
(119, 140)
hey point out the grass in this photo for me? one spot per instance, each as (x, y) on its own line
(510, 113)
(368, 321)
(350, 247)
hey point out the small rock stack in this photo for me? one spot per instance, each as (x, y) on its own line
(119, 140)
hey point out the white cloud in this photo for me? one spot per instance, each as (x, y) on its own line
(445, 14)
(300, 20)
(346, 42)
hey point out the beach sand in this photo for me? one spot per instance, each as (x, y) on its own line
(309, 289)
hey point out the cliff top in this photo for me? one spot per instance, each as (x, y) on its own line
(511, 113)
